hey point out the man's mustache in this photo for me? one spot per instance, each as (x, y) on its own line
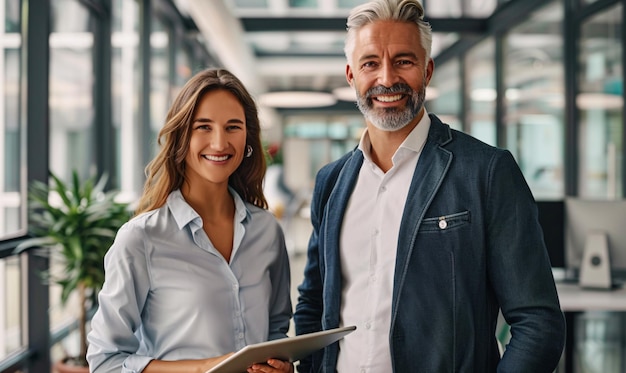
(382, 90)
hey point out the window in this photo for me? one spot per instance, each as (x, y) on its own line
(444, 91)
(534, 99)
(125, 116)
(481, 111)
(159, 80)
(10, 306)
(71, 115)
(600, 105)
(12, 191)
(12, 200)
(71, 90)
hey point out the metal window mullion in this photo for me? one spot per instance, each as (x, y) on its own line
(104, 142)
(571, 36)
(145, 30)
(34, 116)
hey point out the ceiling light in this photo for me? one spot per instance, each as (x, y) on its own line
(431, 93)
(590, 101)
(345, 93)
(483, 94)
(297, 99)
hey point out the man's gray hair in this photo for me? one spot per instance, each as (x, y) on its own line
(387, 10)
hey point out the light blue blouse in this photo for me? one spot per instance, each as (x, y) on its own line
(169, 294)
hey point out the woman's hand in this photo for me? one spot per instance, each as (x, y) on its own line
(272, 366)
(191, 366)
(213, 361)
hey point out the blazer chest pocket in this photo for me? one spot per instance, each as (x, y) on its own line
(445, 222)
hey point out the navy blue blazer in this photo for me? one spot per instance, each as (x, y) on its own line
(449, 284)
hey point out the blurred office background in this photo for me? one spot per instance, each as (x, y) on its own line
(85, 85)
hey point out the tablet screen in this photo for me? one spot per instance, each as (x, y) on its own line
(287, 349)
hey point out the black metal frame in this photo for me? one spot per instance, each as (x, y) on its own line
(34, 115)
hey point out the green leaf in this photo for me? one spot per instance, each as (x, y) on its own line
(77, 224)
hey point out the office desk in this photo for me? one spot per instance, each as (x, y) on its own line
(575, 300)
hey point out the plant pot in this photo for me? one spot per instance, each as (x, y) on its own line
(64, 367)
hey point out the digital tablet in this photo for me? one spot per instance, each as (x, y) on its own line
(286, 349)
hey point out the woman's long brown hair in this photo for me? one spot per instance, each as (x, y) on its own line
(166, 172)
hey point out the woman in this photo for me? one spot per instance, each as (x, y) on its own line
(202, 269)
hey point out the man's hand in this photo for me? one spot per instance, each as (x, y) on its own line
(272, 366)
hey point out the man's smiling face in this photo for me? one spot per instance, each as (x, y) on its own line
(389, 73)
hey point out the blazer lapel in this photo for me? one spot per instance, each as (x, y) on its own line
(428, 176)
(334, 212)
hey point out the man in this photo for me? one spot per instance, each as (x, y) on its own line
(422, 234)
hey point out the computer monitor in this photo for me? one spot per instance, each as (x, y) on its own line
(552, 221)
(585, 221)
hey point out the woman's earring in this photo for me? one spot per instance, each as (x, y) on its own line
(248, 151)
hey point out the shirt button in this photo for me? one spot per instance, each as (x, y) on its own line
(368, 325)
(383, 188)
(240, 336)
(443, 224)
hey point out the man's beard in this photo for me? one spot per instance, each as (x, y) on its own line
(391, 119)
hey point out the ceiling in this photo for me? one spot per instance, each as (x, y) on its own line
(297, 45)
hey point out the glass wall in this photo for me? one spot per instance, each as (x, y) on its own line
(11, 331)
(460, 8)
(445, 90)
(12, 198)
(11, 160)
(71, 90)
(71, 119)
(124, 86)
(534, 99)
(600, 105)
(313, 141)
(481, 111)
(159, 84)
(184, 69)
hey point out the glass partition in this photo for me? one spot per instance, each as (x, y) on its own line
(71, 89)
(125, 74)
(460, 8)
(481, 84)
(71, 116)
(534, 99)
(184, 69)
(10, 306)
(11, 160)
(444, 94)
(600, 105)
(159, 80)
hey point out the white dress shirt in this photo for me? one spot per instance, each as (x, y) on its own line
(369, 238)
(170, 295)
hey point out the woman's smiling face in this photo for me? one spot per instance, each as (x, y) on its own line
(218, 138)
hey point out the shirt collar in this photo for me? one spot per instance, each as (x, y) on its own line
(184, 214)
(414, 141)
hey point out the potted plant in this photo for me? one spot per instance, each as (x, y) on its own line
(78, 229)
